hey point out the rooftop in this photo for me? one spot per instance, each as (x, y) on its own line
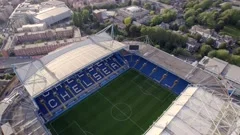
(196, 112)
(213, 65)
(133, 9)
(51, 12)
(39, 75)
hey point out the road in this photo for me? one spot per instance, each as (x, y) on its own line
(7, 62)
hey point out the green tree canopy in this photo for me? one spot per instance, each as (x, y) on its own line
(226, 6)
(221, 54)
(168, 39)
(77, 19)
(207, 19)
(189, 12)
(134, 31)
(127, 21)
(85, 15)
(169, 15)
(181, 52)
(209, 41)
(235, 59)
(190, 21)
(205, 49)
(147, 6)
(183, 28)
(236, 51)
(157, 19)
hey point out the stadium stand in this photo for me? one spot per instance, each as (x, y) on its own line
(76, 87)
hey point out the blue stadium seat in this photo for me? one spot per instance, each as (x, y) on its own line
(95, 75)
(148, 68)
(169, 80)
(103, 68)
(63, 94)
(50, 101)
(182, 84)
(75, 87)
(140, 63)
(119, 58)
(157, 75)
(85, 80)
(113, 65)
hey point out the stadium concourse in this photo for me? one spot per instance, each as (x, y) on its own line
(63, 78)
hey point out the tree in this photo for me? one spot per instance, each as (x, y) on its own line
(212, 53)
(235, 59)
(152, 12)
(119, 38)
(230, 16)
(190, 21)
(134, 31)
(189, 12)
(223, 46)
(147, 6)
(209, 41)
(223, 54)
(181, 52)
(1, 41)
(226, 6)
(157, 19)
(77, 19)
(127, 21)
(169, 15)
(135, 3)
(183, 28)
(169, 40)
(207, 19)
(236, 51)
(85, 15)
(205, 49)
(198, 37)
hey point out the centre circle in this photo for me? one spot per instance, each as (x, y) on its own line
(121, 111)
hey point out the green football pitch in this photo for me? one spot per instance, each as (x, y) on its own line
(126, 106)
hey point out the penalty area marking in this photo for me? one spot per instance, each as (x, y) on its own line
(70, 125)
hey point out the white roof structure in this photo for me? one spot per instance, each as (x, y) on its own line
(41, 74)
(232, 73)
(7, 129)
(199, 111)
(53, 15)
(213, 65)
(134, 9)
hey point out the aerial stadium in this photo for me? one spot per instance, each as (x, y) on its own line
(100, 86)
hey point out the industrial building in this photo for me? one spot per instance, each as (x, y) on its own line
(53, 15)
(133, 12)
(48, 12)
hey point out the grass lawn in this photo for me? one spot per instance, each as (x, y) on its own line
(126, 106)
(231, 31)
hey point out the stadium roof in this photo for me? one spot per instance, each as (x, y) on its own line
(41, 74)
(198, 111)
(213, 65)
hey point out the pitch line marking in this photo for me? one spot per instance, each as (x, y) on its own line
(122, 112)
(54, 129)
